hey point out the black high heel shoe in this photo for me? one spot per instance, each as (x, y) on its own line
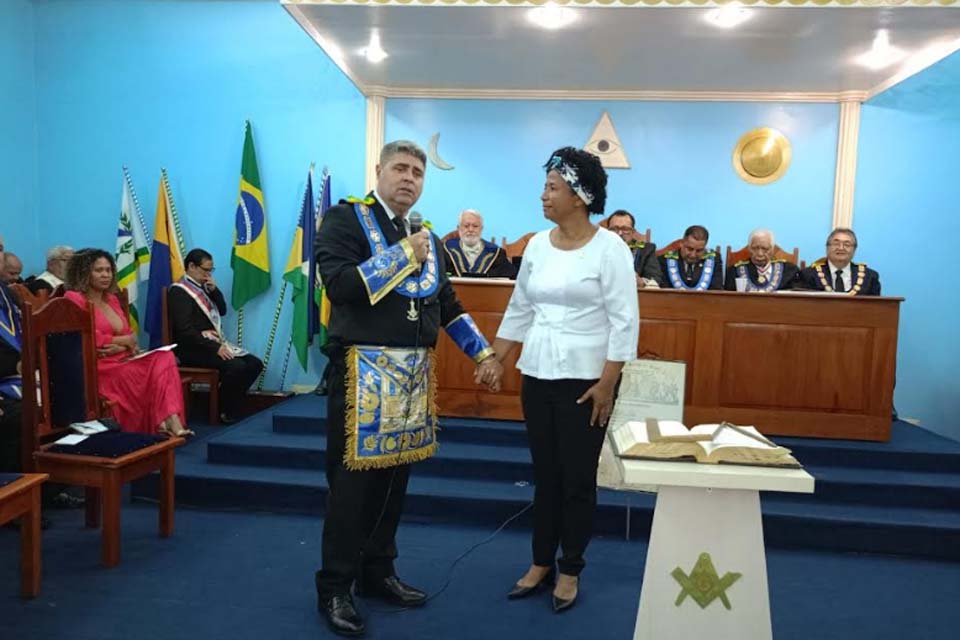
(562, 604)
(519, 591)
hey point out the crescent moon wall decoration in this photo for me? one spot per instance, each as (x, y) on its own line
(434, 156)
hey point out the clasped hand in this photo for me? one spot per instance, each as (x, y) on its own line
(490, 373)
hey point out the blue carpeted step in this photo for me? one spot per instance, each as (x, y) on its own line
(258, 445)
(788, 523)
(897, 497)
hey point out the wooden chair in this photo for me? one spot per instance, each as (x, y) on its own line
(210, 377)
(25, 295)
(63, 332)
(637, 236)
(20, 498)
(516, 249)
(675, 246)
(734, 257)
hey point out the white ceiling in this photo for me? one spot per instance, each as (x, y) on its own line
(626, 51)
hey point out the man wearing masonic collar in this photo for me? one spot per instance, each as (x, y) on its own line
(390, 296)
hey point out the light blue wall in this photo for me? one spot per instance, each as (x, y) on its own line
(906, 216)
(153, 84)
(18, 160)
(680, 154)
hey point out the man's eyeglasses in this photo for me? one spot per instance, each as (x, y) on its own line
(208, 271)
(842, 244)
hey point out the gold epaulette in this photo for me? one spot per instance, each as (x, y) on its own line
(817, 263)
(742, 263)
(671, 255)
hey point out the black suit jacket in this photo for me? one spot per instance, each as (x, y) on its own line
(810, 279)
(646, 264)
(9, 357)
(791, 273)
(716, 281)
(188, 321)
(341, 245)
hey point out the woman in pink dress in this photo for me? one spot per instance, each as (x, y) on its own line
(146, 392)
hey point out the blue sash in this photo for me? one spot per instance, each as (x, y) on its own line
(10, 333)
(420, 285)
(391, 409)
(481, 265)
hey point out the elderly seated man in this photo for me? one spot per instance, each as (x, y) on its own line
(838, 272)
(472, 256)
(693, 267)
(11, 269)
(645, 262)
(57, 259)
(762, 272)
(11, 390)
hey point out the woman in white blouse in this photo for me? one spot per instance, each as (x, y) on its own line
(574, 309)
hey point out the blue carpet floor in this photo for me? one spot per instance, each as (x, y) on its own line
(239, 576)
(897, 497)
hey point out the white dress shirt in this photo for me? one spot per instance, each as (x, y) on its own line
(573, 310)
(390, 213)
(846, 273)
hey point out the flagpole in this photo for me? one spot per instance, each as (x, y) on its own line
(173, 210)
(136, 206)
(286, 363)
(273, 335)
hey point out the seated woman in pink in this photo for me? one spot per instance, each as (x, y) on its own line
(146, 392)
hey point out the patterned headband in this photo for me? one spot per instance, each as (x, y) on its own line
(569, 174)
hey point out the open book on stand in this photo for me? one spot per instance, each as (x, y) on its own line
(706, 443)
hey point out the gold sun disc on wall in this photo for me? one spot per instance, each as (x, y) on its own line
(762, 156)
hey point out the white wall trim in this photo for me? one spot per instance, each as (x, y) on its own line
(376, 116)
(846, 178)
(640, 96)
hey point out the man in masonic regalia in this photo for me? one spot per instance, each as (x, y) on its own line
(386, 281)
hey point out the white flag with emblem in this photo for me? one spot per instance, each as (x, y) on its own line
(133, 250)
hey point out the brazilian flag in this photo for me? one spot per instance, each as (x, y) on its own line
(250, 259)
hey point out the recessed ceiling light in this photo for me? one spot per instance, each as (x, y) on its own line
(882, 54)
(728, 17)
(374, 52)
(550, 16)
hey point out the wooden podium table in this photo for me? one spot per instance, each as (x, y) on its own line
(792, 364)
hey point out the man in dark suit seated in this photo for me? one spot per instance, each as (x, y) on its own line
(472, 256)
(195, 306)
(838, 272)
(693, 266)
(49, 280)
(762, 272)
(645, 262)
(11, 390)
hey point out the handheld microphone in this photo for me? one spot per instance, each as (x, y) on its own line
(416, 222)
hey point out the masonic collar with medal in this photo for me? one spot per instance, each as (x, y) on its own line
(776, 275)
(857, 272)
(706, 275)
(416, 286)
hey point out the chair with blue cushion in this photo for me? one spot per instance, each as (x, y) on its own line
(60, 388)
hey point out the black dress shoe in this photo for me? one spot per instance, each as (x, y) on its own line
(342, 616)
(519, 591)
(228, 419)
(394, 592)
